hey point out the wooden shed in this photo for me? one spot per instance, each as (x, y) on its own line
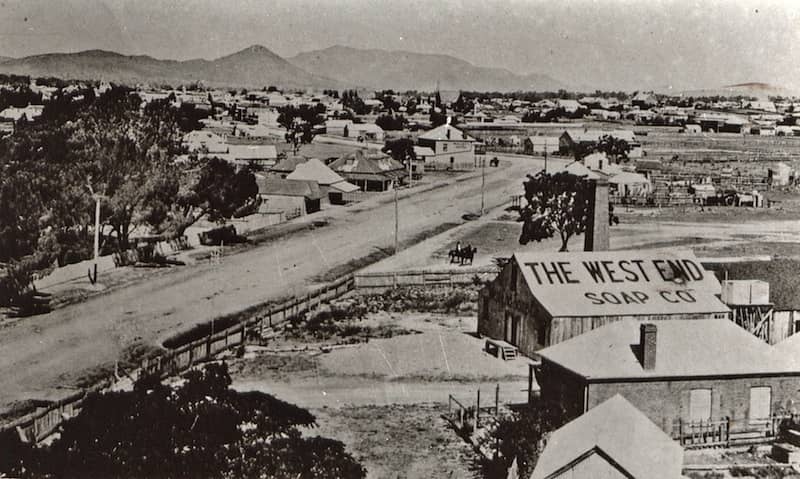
(543, 299)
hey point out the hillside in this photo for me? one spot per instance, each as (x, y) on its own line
(255, 66)
(401, 70)
(751, 89)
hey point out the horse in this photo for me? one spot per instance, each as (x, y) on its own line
(462, 255)
(468, 254)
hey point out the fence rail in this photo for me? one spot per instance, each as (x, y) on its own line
(727, 431)
(395, 279)
(38, 425)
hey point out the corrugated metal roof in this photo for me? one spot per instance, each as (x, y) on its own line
(368, 165)
(622, 432)
(285, 187)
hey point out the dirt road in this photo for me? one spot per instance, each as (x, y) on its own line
(43, 353)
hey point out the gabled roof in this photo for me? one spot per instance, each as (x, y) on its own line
(623, 434)
(440, 133)
(684, 348)
(592, 274)
(288, 164)
(315, 170)
(284, 187)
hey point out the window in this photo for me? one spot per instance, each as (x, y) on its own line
(699, 405)
(760, 402)
(444, 146)
(452, 160)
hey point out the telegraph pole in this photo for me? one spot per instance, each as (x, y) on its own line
(396, 220)
(545, 156)
(483, 183)
(97, 197)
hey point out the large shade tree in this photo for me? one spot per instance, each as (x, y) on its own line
(199, 429)
(555, 204)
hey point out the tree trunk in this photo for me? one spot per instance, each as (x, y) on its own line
(564, 241)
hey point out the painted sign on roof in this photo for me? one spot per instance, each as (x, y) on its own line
(618, 283)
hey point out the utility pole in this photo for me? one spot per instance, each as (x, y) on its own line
(545, 155)
(93, 276)
(483, 183)
(97, 197)
(396, 220)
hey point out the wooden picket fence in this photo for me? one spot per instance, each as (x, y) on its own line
(39, 425)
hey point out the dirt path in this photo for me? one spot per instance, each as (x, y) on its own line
(44, 353)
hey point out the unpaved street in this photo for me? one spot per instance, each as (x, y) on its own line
(40, 354)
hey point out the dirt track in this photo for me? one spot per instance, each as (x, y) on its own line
(47, 352)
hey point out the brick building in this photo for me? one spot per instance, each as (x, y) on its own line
(542, 299)
(681, 374)
(613, 440)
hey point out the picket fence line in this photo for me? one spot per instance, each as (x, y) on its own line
(39, 425)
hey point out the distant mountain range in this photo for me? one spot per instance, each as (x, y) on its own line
(257, 66)
(401, 70)
(253, 66)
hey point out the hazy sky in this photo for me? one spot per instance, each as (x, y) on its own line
(603, 43)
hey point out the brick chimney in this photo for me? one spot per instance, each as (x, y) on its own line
(596, 236)
(647, 343)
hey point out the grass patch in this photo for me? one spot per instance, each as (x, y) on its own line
(462, 299)
(340, 321)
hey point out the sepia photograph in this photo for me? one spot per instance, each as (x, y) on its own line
(400, 239)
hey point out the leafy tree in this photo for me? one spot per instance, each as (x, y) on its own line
(215, 190)
(615, 148)
(391, 122)
(401, 149)
(557, 203)
(125, 155)
(299, 123)
(201, 428)
(521, 437)
(437, 118)
(351, 100)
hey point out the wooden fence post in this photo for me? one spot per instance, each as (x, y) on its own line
(478, 410)
(497, 401)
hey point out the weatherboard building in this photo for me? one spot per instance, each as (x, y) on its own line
(538, 300)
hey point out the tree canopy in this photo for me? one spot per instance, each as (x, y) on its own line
(555, 203)
(110, 147)
(299, 122)
(199, 429)
(521, 436)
